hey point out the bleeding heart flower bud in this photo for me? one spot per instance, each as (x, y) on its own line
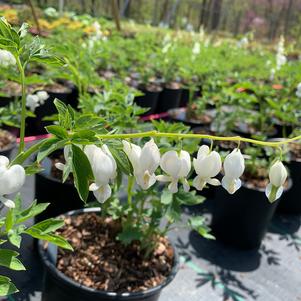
(234, 167)
(145, 161)
(42, 95)
(104, 169)
(11, 180)
(177, 166)
(277, 175)
(207, 166)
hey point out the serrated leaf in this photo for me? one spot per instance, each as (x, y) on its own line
(8, 258)
(47, 226)
(33, 210)
(65, 117)
(49, 146)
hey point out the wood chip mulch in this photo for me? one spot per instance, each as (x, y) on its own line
(101, 262)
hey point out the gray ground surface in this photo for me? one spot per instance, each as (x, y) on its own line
(208, 269)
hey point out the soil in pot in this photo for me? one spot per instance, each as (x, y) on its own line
(7, 143)
(241, 220)
(290, 202)
(62, 197)
(149, 99)
(169, 98)
(36, 125)
(100, 267)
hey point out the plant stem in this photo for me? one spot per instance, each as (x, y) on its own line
(23, 100)
(198, 136)
(131, 182)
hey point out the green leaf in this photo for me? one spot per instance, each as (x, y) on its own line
(166, 197)
(121, 160)
(82, 172)
(8, 258)
(198, 224)
(9, 221)
(14, 235)
(189, 198)
(65, 118)
(47, 226)
(57, 130)
(33, 169)
(130, 234)
(33, 210)
(6, 287)
(49, 146)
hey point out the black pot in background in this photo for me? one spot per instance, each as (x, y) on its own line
(5, 100)
(243, 131)
(169, 99)
(148, 100)
(241, 220)
(185, 96)
(283, 130)
(62, 197)
(59, 287)
(290, 202)
(35, 125)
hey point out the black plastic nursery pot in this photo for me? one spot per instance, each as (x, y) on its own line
(169, 99)
(62, 197)
(185, 96)
(36, 125)
(59, 287)
(241, 220)
(148, 100)
(5, 100)
(290, 202)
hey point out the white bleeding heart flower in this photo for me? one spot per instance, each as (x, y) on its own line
(177, 167)
(11, 180)
(196, 50)
(207, 165)
(60, 165)
(42, 95)
(144, 160)
(104, 169)
(6, 58)
(32, 102)
(234, 166)
(278, 176)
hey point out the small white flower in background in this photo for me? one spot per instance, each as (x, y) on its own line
(60, 165)
(42, 95)
(207, 165)
(234, 166)
(166, 48)
(145, 161)
(272, 74)
(6, 58)
(298, 92)
(35, 100)
(177, 167)
(196, 50)
(32, 102)
(51, 12)
(242, 42)
(280, 56)
(104, 170)
(11, 180)
(277, 175)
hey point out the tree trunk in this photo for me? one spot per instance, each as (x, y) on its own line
(155, 13)
(288, 17)
(202, 13)
(115, 13)
(126, 9)
(164, 11)
(216, 13)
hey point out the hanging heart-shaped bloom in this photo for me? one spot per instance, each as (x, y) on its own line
(177, 167)
(207, 165)
(11, 180)
(6, 58)
(277, 175)
(32, 102)
(145, 161)
(234, 167)
(42, 95)
(104, 169)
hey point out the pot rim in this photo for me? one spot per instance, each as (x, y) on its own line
(70, 282)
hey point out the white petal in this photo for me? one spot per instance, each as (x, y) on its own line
(186, 186)
(277, 174)
(231, 184)
(173, 186)
(103, 193)
(93, 187)
(145, 180)
(4, 161)
(6, 202)
(198, 183)
(234, 164)
(133, 152)
(203, 151)
(150, 157)
(185, 164)
(214, 182)
(59, 166)
(171, 163)
(163, 178)
(12, 179)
